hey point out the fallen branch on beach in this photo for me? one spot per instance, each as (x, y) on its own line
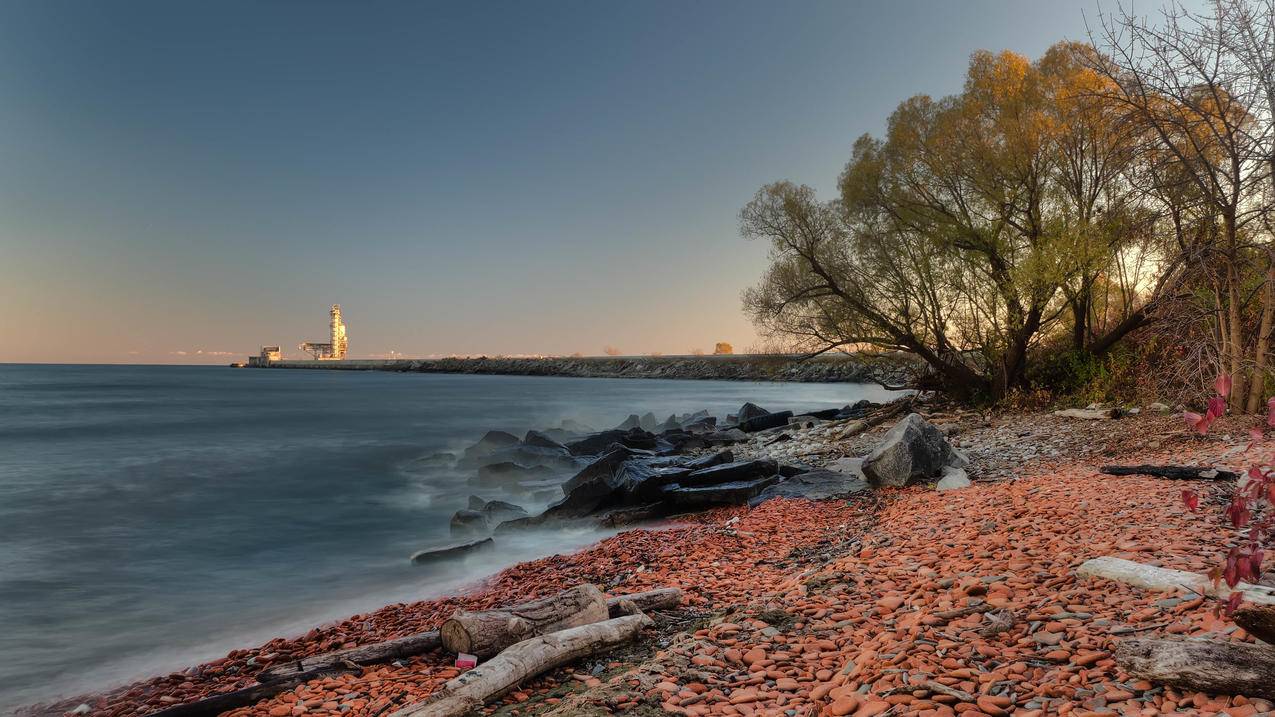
(215, 705)
(883, 414)
(1152, 577)
(1258, 621)
(523, 661)
(1172, 472)
(1214, 666)
(421, 643)
(373, 654)
(485, 633)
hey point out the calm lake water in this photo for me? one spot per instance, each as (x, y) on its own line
(155, 516)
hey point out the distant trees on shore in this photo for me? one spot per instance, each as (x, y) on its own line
(1053, 207)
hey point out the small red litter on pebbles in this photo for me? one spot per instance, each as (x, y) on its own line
(466, 662)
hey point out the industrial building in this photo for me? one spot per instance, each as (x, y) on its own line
(337, 344)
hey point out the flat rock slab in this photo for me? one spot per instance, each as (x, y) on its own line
(453, 551)
(735, 493)
(1159, 579)
(814, 485)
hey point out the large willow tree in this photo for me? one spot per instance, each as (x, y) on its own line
(981, 225)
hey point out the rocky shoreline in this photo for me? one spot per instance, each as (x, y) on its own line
(819, 606)
(888, 369)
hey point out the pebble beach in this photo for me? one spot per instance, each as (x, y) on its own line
(902, 601)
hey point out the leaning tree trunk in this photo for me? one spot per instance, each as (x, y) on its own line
(524, 660)
(1215, 666)
(486, 633)
(1258, 380)
(1237, 338)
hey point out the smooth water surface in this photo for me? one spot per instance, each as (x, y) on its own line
(155, 516)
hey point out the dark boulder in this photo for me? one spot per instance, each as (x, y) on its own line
(767, 421)
(730, 472)
(858, 409)
(813, 485)
(469, 522)
(488, 444)
(749, 411)
(726, 437)
(498, 511)
(826, 414)
(633, 421)
(476, 503)
(425, 557)
(596, 443)
(542, 440)
(702, 424)
(912, 449)
(558, 459)
(709, 460)
(507, 472)
(734, 493)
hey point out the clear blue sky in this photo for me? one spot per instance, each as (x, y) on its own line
(499, 177)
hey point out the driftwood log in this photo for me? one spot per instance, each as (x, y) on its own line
(286, 676)
(1258, 621)
(1215, 666)
(658, 599)
(1151, 577)
(487, 632)
(373, 654)
(421, 643)
(1173, 472)
(521, 661)
(215, 705)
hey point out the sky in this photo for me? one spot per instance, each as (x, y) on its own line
(185, 182)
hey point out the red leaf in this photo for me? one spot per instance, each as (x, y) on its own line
(1217, 407)
(1223, 384)
(1256, 434)
(1197, 422)
(1192, 499)
(1233, 602)
(1255, 564)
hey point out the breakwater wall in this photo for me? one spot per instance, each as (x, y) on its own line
(892, 369)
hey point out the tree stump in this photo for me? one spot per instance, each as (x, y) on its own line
(487, 632)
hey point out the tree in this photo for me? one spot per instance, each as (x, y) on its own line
(972, 230)
(1200, 86)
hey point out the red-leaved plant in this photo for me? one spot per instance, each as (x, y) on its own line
(1244, 561)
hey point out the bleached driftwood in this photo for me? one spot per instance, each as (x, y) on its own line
(1172, 472)
(522, 661)
(1214, 666)
(1258, 621)
(1085, 413)
(372, 654)
(421, 643)
(1159, 579)
(485, 633)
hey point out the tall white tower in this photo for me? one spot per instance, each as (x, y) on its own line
(339, 342)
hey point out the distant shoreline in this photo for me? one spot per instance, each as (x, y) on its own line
(891, 369)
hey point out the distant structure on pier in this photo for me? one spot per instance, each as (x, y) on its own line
(337, 345)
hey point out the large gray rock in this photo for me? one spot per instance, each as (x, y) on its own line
(913, 449)
(425, 557)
